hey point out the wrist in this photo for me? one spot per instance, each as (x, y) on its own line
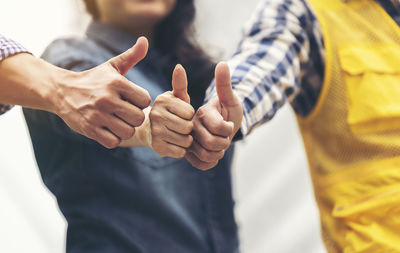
(26, 80)
(144, 131)
(56, 92)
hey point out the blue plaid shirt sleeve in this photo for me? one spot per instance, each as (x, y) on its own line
(271, 59)
(8, 48)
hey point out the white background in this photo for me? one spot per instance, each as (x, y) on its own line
(276, 210)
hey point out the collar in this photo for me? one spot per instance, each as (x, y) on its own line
(118, 41)
(110, 36)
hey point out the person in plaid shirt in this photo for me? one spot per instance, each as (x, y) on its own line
(8, 48)
(31, 82)
(336, 62)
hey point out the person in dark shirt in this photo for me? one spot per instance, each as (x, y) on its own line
(131, 199)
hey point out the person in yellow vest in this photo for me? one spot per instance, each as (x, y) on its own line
(338, 64)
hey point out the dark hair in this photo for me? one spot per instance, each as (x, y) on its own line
(174, 38)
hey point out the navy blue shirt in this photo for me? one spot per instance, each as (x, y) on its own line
(128, 199)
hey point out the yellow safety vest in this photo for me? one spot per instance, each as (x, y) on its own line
(352, 137)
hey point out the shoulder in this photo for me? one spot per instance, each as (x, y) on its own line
(69, 52)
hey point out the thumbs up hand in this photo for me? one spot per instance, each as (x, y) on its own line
(215, 123)
(101, 103)
(171, 118)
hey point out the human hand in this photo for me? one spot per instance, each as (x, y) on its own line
(101, 103)
(215, 123)
(171, 118)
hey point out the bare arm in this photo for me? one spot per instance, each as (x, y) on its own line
(99, 103)
(28, 81)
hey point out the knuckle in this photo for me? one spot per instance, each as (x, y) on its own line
(226, 144)
(187, 128)
(90, 133)
(115, 82)
(112, 143)
(206, 156)
(154, 114)
(200, 112)
(163, 98)
(192, 161)
(93, 116)
(123, 135)
(161, 152)
(204, 166)
(139, 118)
(146, 98)
(188, 142)
(217, 125)
(195, 162)
(209, 143)
(156, 131)
(103, 100)
(179, 153)
(156, 103)
(129, 132)
(208, 166)
(86, 128)
(191, 111)
(220, 155)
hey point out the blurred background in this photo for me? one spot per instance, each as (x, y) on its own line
(275, 210)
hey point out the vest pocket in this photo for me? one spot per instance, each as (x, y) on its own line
(370, 223)
(362, 207)
(371, 186)
(372, 76)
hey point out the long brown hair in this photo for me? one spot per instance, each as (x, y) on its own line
(174, 38)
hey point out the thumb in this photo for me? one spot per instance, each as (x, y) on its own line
(180, 83)
(223, 85)
(125, 61)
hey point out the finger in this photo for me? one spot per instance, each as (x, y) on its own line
(176, 124)
(105, 138)
(209, 141)
(125, 61)
(134, 94)
(171, 122)
(214, 122)
(167, 149)
(179, 84)
(181, 109)
(223, 85)
(119, 127)
(206, 155)
(181, 140)
(195, 162)
(125, 111)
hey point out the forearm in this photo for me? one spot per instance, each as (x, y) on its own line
(34, 83)
(29, 82)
